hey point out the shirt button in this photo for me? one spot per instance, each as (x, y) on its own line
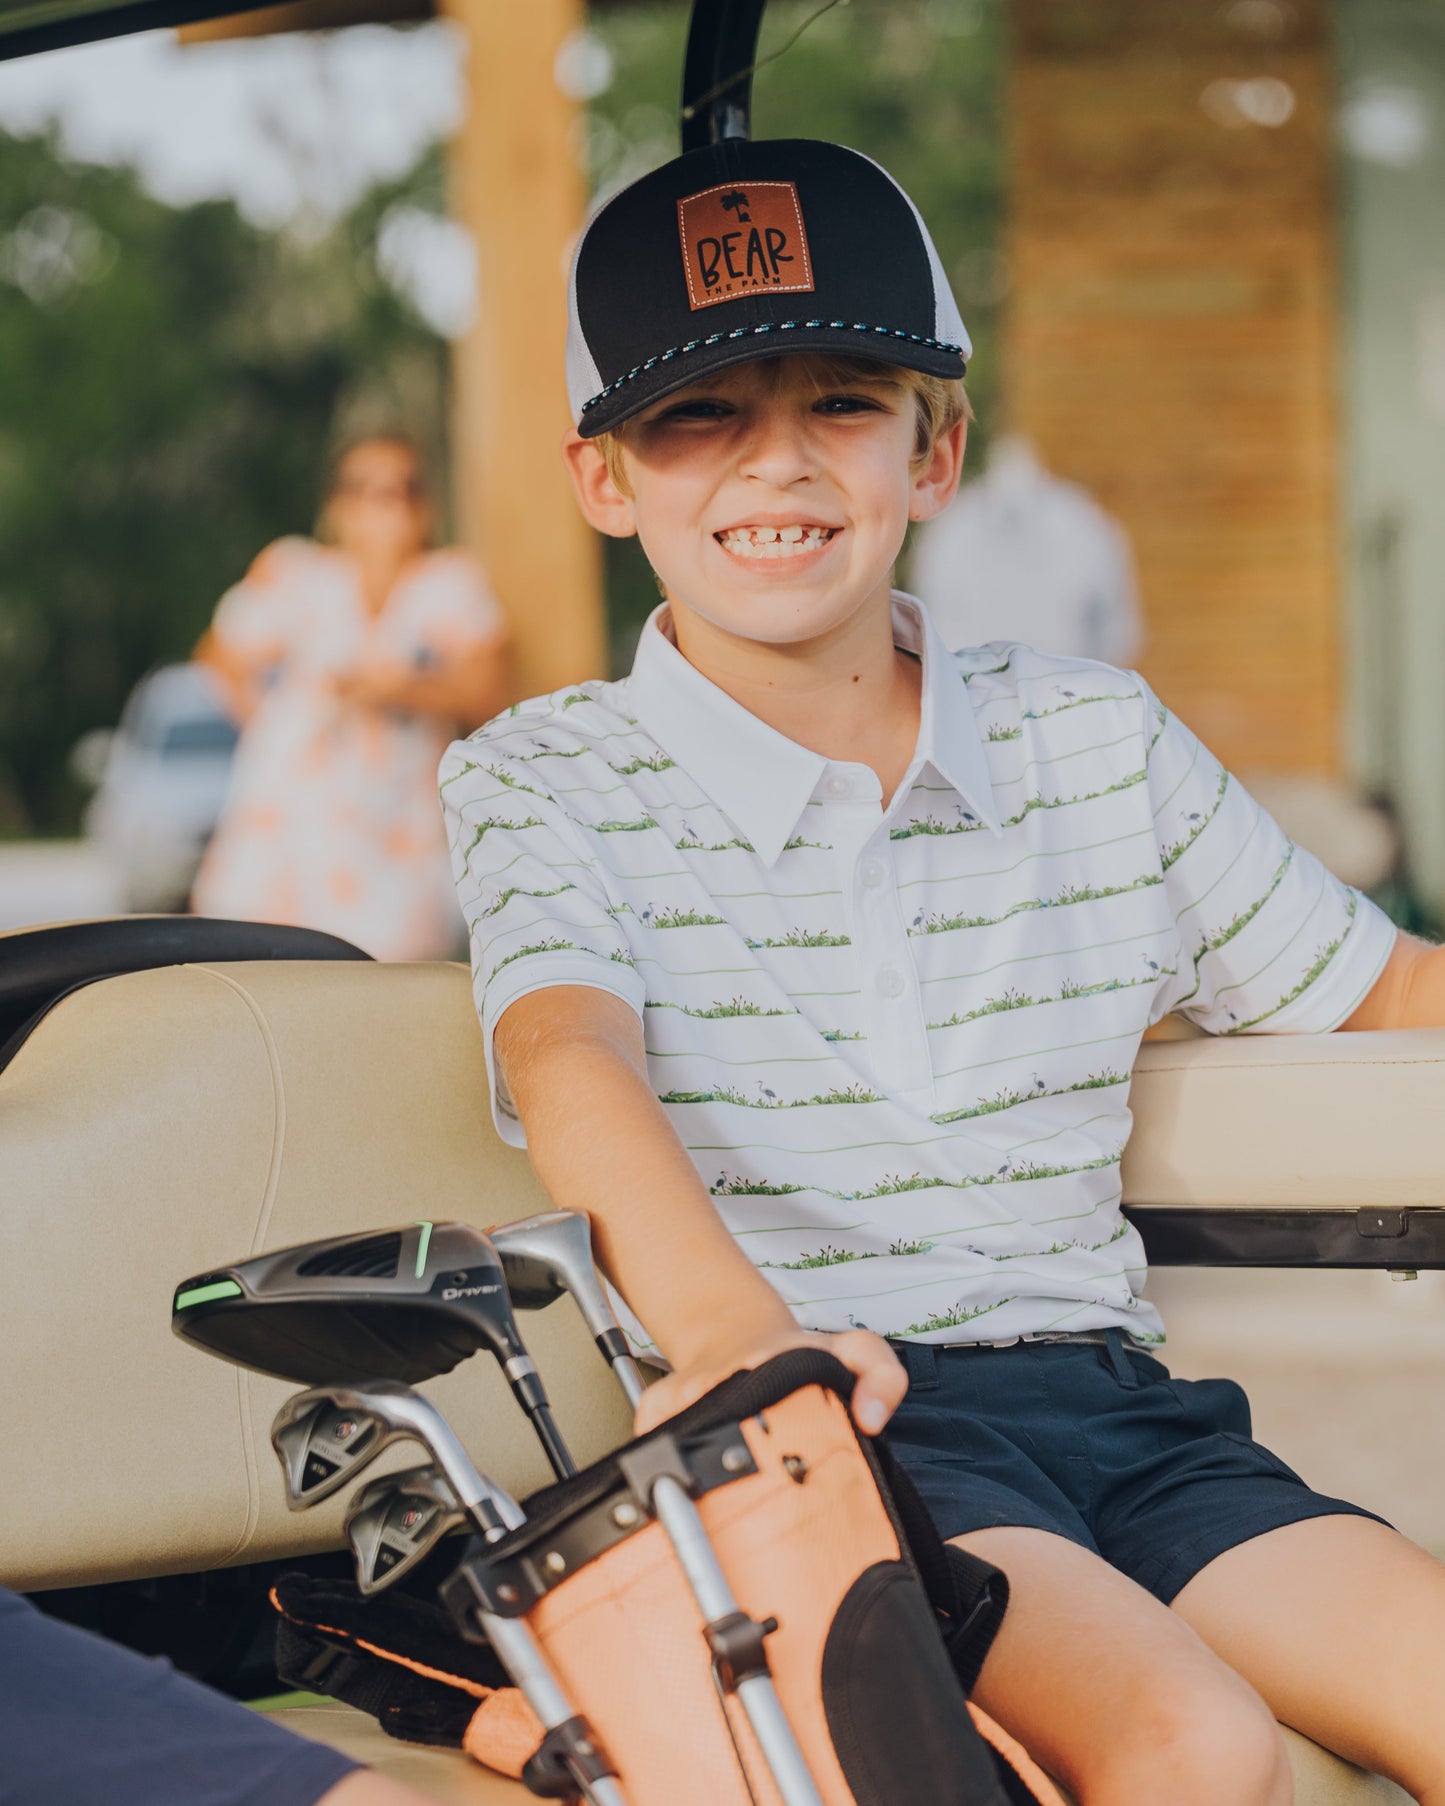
(891, 982)
(838, 785)
(871, 872)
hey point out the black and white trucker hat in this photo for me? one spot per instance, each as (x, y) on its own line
(743, 250)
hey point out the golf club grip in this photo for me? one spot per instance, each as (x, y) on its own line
(560, 1456)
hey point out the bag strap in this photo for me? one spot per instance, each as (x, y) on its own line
(968, 1596)
(392, 1669)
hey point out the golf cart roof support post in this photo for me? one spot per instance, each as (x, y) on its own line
(717, 79)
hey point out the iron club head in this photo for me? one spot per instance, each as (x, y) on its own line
(396, 1521)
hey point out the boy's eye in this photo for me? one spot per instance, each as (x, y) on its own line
(700, 408)
(848, 404)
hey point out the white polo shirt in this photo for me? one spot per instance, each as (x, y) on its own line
(896, 1035)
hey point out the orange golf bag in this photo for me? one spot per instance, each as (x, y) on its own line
(848, 1613)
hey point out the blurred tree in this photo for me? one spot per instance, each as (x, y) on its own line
(173, 380)
(917, 84)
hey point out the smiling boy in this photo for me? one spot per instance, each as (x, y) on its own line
(812, 962)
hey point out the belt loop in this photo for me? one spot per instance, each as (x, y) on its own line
(1119, 1361)
(920, 1359)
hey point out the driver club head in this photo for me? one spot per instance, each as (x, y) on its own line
(396, 1521)
(401, 1304)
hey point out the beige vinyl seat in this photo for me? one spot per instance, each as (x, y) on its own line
(160, 1122)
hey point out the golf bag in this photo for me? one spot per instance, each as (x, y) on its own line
(872, 1629)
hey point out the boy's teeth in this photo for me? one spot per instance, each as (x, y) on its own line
(774, 542)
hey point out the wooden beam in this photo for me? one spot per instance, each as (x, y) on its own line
(1172, 343)
(518, 186)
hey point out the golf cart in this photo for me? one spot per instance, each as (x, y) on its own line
(176, 1092)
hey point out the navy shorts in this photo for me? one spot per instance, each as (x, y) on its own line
(85, 1723)
(1095, 1442)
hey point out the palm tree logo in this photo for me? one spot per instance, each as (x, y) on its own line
(737, 202)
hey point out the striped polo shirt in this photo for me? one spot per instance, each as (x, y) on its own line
(896, 1034)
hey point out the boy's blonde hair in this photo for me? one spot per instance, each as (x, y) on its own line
(940, 402)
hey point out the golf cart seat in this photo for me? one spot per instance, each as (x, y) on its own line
(163, 1121)
(39, 966)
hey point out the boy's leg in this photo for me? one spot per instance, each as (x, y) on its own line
(1113, 1693)
(1339, 1623)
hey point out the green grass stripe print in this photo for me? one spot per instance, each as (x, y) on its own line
(1323, 955)
(639, 826)
(1039, 1053)
(1222, 936)
(511, 827)
(716, 1059)
(1005, 1100)
(1183, 909)
(1020, 1000)
(645, 762)
(498, 904)
(1197, 821)
(1032, 765)
(953, 1319)
(829, 1256)
(553, 865)
(1143, 939)
(552, 944)
(924, 924)
(963, 826)
(677, 918)
(1184, 779)
(892, 1185)
(734, 1006)
(768, 1099)
(802, 937)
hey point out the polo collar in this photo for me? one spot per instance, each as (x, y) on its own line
(761, 780)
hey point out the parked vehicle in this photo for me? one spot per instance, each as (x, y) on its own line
(161, 780)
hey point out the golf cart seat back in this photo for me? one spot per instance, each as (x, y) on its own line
(162, 1122)
(39, 966)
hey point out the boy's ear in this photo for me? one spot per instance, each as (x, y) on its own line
(602, 503)
(935, 485)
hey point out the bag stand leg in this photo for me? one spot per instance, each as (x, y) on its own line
(740, 1662)
(521, 1655)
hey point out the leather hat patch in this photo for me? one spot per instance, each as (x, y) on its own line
(743, 239)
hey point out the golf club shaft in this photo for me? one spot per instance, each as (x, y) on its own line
(560, 1456)
(629, 1377)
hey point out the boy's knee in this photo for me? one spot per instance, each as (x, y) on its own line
(1200, 1747)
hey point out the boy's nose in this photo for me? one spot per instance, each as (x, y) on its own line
(778, 451)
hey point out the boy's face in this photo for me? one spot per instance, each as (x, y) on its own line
(770, 500)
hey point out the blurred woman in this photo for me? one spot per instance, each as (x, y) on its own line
(350, 665)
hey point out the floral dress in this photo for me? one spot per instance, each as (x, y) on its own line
(332, 820)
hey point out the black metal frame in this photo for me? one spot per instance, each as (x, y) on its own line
(1410, 1239)
(717, 76)
(117, 22)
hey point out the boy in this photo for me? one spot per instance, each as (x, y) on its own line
(812, 962)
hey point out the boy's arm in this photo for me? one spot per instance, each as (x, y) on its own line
(574, 1063)
(1409, 993)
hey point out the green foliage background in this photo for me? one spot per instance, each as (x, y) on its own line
(167, 405)
(162, 416)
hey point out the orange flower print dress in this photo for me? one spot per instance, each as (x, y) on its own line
(332, 820)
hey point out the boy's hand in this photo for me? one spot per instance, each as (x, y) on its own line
(882, 1380)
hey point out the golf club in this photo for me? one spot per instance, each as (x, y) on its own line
(546, 1255)
(396, 1521)
(399, 1304)
(326, 1436)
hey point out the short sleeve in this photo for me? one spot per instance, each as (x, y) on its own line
(254, 618)
(537, 907)
(1270, 941)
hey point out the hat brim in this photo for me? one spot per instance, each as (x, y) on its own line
(678, 369)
